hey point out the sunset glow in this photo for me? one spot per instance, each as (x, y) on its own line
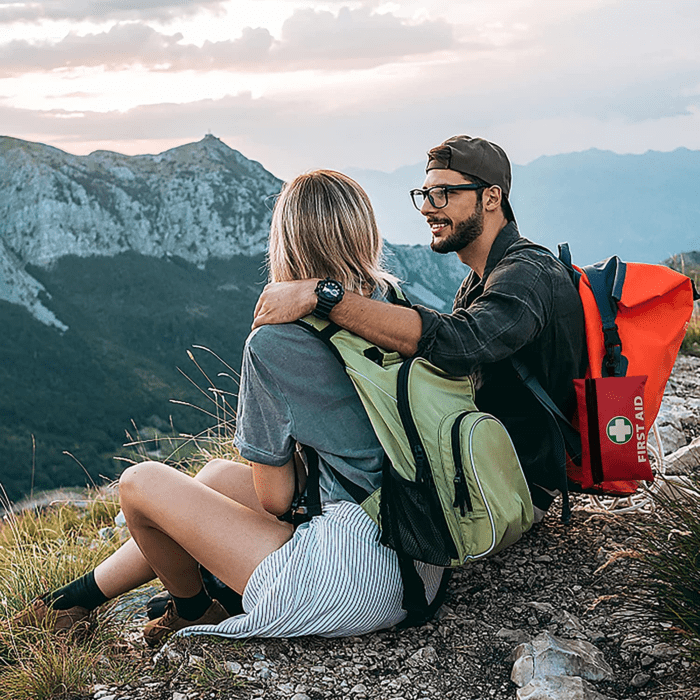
(370, 84)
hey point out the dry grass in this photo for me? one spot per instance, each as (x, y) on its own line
(39, 551)
(44, 548)
(691, 342)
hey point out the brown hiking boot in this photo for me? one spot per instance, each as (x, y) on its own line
(156, 630)
(39, 614)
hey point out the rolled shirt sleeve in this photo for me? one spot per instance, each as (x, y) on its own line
(263, 416)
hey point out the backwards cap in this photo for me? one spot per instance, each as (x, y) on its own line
(476, 157)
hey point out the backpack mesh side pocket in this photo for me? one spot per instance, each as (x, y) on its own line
(412, 520)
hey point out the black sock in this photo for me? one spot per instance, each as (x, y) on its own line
(82, 592)
(193, 608)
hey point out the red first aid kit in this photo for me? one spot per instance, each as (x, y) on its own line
(636, 316)
(613, 430)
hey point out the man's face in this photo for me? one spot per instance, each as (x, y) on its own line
(461, 221)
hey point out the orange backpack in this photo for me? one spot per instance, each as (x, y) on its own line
(636, 316)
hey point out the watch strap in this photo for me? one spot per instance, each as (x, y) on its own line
(323, 308)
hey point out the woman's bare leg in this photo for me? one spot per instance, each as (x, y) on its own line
(179, 522)
(127, 568)
(123, 571)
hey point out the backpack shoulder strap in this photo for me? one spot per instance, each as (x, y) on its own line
(305, 505)
(564, 257)
(566, 437)
(396, 295)
(606, 280)
(324, 330)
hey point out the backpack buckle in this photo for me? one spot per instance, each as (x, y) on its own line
(295, 516)
(614, 363)
(611, 337)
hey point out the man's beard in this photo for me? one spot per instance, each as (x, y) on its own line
(465, 232)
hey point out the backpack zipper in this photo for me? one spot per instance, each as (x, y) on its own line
(409, 426)
(462, 496)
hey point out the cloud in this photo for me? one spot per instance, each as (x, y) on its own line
(146, 122)
(126, 45)
(359, 34)
(291, 135)
(309, 40)
(20, 10)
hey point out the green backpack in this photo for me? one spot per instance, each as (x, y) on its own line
(452, 488)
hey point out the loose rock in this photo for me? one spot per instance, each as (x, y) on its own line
(639, 680)
(684, 460)
(551, 656)
(559, 688)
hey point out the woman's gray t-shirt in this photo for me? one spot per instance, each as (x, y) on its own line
(294, 389)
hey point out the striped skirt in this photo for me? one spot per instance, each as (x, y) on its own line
(331, 579)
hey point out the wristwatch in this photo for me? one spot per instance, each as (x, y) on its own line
(329, 292)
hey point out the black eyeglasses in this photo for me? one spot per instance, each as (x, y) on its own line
(437, 195)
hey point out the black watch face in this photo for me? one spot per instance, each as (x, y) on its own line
(331, 290)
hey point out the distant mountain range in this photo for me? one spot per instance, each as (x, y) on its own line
(111, 267)
(644, 208)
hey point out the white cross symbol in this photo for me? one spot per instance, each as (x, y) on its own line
(620, 430)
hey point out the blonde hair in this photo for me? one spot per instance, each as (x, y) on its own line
(323, 225)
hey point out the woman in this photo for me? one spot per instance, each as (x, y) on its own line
(330, 576)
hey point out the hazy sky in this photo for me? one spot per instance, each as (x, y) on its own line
(370, 84)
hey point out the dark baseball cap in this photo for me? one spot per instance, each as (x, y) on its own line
(474, 157)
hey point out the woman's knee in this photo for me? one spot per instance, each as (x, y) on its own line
(217, 473)
(136, 479)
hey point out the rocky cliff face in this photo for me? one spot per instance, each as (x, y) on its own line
(428, 278)
(18, 287)
(199, 201)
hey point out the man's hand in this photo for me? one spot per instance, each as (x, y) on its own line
(284, 302)
(386, 325)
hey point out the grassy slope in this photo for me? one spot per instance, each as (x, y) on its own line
(130, 321)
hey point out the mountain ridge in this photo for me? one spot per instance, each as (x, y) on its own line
(197, 201)
(138, 199)
(641, 207)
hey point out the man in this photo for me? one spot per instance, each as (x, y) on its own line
(517, 302)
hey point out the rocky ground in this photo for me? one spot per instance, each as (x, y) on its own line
(575, 581)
